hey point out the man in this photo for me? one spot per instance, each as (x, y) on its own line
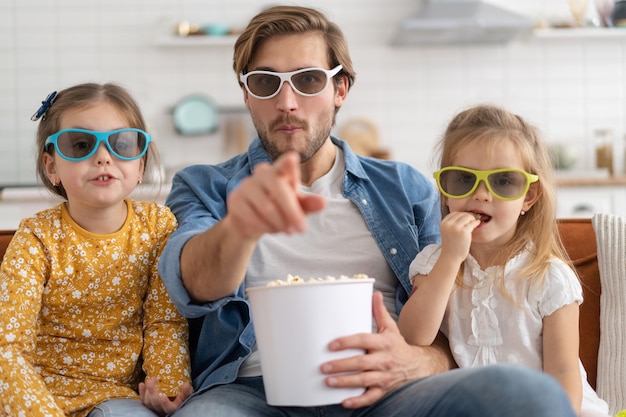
(301, 202)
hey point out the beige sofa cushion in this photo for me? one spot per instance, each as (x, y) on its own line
(611, 241)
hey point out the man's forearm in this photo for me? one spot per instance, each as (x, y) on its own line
(441, 356)
(213, 263)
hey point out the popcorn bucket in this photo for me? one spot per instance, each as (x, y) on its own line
(294, 325)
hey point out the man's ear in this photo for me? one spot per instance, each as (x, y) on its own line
(341, 91)
(245, 96)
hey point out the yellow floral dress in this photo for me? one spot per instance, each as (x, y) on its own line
(83, 316)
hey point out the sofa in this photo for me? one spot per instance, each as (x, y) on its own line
(604, 364)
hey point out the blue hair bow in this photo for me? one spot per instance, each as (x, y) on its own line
(45, 105)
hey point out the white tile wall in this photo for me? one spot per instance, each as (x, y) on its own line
(568, 87)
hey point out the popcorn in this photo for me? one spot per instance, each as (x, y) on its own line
(296, 280)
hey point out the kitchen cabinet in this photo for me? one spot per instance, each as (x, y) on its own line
(584, 197)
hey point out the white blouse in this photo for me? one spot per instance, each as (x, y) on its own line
(485, 326)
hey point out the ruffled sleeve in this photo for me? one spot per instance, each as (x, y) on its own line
(562, 288)
(425, 260)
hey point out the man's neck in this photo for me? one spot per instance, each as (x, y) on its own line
(319, 164)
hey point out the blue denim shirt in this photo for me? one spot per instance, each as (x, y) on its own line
(399, 204)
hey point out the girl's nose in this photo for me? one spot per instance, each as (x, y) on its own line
(482, 192)
(102, 155)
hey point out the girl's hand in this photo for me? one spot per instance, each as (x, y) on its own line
(161, 403)
(420, 318)
(456, 233)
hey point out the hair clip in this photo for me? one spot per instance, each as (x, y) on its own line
(45, 105)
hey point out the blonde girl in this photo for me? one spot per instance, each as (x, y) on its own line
(499, 284)
(85, 315)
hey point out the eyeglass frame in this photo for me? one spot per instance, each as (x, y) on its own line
(286, 76)
(483, 176)
(101, 137)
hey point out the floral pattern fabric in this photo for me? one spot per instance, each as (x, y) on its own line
(85, 316)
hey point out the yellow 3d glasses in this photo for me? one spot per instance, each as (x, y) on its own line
(504, 184)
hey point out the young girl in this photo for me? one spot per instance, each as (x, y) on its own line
(84, 312)
(499, 283)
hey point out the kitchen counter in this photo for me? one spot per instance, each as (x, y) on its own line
(585, 196)
(17, 203)
(591, 182)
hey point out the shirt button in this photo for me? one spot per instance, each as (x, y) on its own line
(364, 201)
(393, 251)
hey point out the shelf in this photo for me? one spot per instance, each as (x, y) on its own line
(580, 33)
(195, 40)
(540, 34)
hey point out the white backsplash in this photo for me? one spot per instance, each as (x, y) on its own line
(566, 86)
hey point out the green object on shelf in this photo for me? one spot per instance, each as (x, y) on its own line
(618, 16)
(562, 156)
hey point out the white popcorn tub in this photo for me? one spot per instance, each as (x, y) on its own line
(294, 325)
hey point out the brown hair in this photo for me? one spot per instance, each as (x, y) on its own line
(283, 20)
(487, 126)
(84, 96)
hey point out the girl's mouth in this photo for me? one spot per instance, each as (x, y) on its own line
(482, 217)
(104, 178)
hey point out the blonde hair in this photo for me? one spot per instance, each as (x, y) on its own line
(286, 20)
(84, 96)
(487, 126)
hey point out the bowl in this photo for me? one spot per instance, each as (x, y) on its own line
(217, 29)
(195, 115)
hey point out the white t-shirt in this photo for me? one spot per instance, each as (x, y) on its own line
(339, 226)
(484, 326)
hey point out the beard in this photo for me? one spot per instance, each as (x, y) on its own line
(315, 136)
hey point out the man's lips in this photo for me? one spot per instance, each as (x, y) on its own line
(288, 124)
(288, 128)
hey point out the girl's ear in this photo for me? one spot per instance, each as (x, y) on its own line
(533, 194)
(49, 164)
(142, 170)
(142, 166)
(50, 167)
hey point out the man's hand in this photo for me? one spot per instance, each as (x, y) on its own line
(389, 362)
(270, 201)
(161, 403)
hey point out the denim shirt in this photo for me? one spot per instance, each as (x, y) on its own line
(399, 204)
